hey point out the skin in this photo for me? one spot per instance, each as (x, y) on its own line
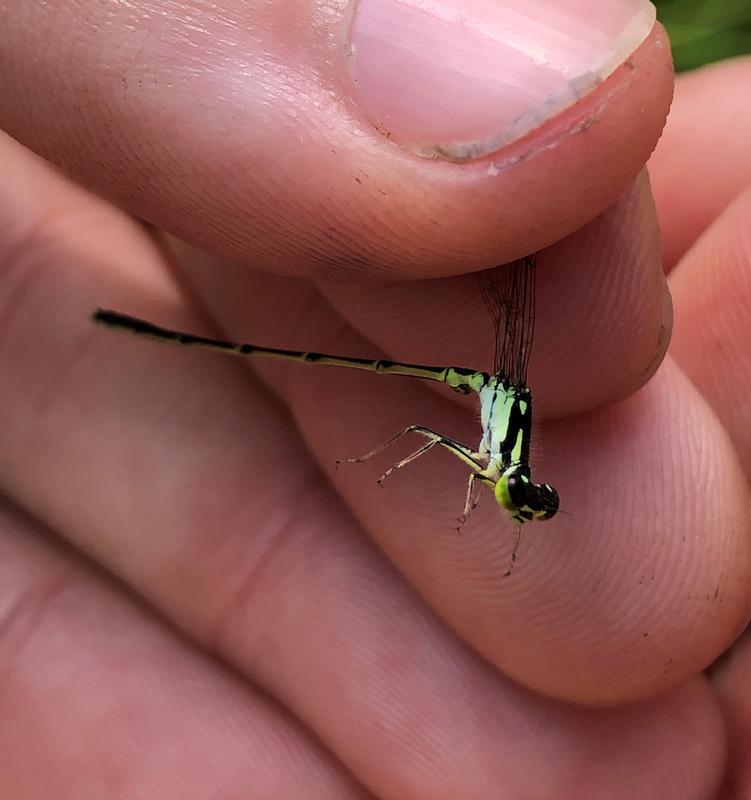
(197, 603)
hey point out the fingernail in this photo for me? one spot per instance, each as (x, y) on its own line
(458, 79)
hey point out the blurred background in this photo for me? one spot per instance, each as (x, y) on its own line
(706, 30)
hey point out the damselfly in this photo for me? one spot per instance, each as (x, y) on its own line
(501, 460)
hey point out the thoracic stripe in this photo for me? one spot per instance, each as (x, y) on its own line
(507, 419)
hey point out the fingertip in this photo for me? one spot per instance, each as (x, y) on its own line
(712, 329)
(650, 578)
(326, 193)
(602, 315)
(702, 160)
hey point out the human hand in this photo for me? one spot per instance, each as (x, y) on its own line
(189, 482)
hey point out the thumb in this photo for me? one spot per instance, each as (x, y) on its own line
(397, 137)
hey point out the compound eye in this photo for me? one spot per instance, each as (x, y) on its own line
(552, 501)
(518, 490)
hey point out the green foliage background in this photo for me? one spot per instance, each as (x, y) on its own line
(706, 30)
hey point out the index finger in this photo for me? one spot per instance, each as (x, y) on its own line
(641, 584)
(257, 134)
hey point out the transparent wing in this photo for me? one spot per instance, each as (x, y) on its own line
(509, 294)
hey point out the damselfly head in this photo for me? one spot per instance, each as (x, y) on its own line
(524, 500)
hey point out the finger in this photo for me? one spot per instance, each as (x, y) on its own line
(632, 494)
(205, 502)
(602, 312)
(711, 343)
(730, 678)
(243, 132)
(602, 320)
(332, 634)
(712, 324)
(114, 704)
(627, 476)
(702, 161)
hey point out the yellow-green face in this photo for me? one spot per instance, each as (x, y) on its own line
(524, 500)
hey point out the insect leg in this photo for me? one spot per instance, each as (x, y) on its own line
(473, 459)
(470, 501)
(403, 463)
(461, 451)
(515, 550)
